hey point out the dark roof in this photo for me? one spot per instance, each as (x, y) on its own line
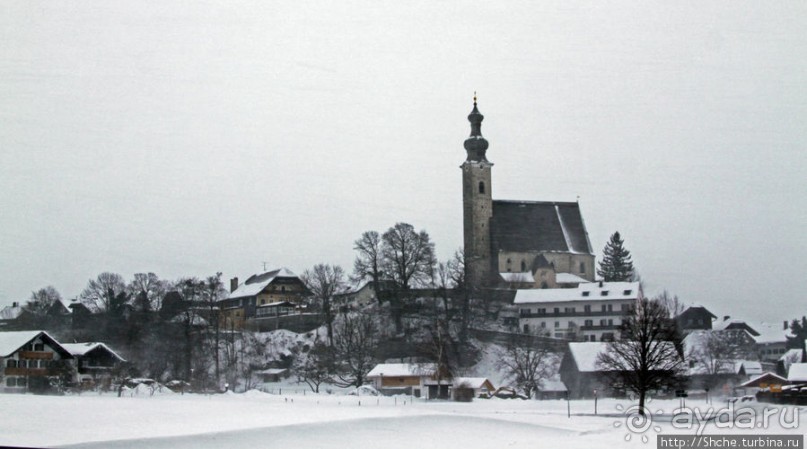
(696, 310)
(538, 226)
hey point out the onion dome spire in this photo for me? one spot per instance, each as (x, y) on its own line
(476, 145)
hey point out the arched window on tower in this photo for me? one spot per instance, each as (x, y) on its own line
(582, 268)
(481, 187)
(523, 266)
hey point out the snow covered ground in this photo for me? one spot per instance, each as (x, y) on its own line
(292, 419)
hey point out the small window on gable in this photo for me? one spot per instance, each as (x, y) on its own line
(39, 347)
(481, 187)
(586, 293)
(627, 292)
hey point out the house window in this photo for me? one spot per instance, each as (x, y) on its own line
(557, 310)
(544, 285)
(587, 308)
(610, 322)
(604, 293)
(625, 307)
(589, 322)
(602, 322)
(11, 363)
(582, 268)
(627, 292)
(603, 307)
(39, 347)
(592, 338)
(523, 266)
(543, 324)
(557, 324)
(542, 311)
(11, 381)
(526, 328)
(283, 288)
(481, 187)
(610, 307)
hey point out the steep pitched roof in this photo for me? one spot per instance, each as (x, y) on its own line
(538, 226)
(585, 354)
(797, 372)
(10, 342)
(80, 349)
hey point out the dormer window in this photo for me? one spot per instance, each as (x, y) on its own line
(604, 293)
(627, 292)
(586, 293)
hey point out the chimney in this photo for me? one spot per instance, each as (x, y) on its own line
(784, 325)
(15, 304)
(600, 283)
(233, 284)
(726, 317)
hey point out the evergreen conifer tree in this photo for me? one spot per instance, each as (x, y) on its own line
(616, 265)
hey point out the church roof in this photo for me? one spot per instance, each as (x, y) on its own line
(538, 226)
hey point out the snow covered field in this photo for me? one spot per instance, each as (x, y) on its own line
(256, 419)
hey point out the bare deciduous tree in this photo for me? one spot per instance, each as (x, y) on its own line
(153, 287)
(715, 352)
(408, 256)
(527, 366)
(316, 366)
(101, 292)
(325, 281)
(368, 263)
(646, 358)
(42, 300)
(355, 342)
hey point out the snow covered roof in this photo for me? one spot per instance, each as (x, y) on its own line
(538, 226)
(797, 372)
(472, 382)
(767, 377)
(273, 371)
(402, 369)
(553, 385)
(569, 278)
(752, 368)
(770, 332)
(10, 312)
(278, 304)
(10, 342)
(255, 284)
(585, 354)
(518, 277)
(79, 349)
(590, 291)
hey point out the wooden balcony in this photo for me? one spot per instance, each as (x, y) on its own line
(34, 355)
(26, 371)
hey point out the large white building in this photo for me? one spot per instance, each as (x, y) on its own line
(591, 312)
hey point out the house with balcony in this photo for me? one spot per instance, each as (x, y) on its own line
(271, 294)
(95, 362)
(592, 311)
(418, 379)
(31, 359)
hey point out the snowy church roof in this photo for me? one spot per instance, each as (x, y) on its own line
(797, 372)
(11, 312)
(538, 226)
(590, 291)
(256, 283)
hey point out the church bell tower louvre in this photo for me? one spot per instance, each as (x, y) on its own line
(477, 204)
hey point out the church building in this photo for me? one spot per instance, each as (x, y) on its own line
(536, 244)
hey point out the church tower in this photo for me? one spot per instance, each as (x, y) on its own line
(477, 204)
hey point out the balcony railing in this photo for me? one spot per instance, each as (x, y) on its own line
(552, 314)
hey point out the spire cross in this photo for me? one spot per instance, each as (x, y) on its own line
(474, 98)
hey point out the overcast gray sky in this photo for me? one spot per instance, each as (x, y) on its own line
(186, 138)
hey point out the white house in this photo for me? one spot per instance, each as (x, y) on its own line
(591, 312)
(417, 379)
(29, 359)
